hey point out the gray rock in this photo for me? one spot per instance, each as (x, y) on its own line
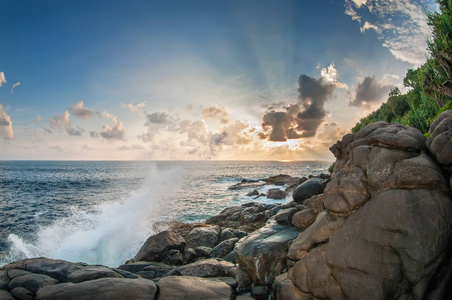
(125, 274)
(135, 267)
(262, 254)
(260, 292)
(173, 257)
(16, 273)
(303, 218)
(202, 251)
(203, 236)
(440, 140)
(307, 189)
(101, 289)
(229, 233)
(5, 295)
(244, 280)
(203, 268)
(228, 280)
(31, 282)
(284, 216)
(192, 288)
(155, 246)
(92, 272)
(223, 248)
(276, 194)
(253, 193)
(159, 269)
(22, 294)
(4, 280)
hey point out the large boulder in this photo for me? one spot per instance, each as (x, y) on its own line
(31, 282)
(276, 194)
(440, 139)
(203, 236)
(382, 226)
(156, 246)
(309, 188)
(205, 268)
(193, 288)
(262, 254)
(102, 289)
(92, 272)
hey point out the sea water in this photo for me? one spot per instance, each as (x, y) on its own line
(101, 212)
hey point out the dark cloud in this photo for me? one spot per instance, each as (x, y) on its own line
(301, 119)
(94, 134)
(157, 122)
(370, 91)
(81, 112)
(159, 118)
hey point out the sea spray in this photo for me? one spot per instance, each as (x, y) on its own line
(110, 233)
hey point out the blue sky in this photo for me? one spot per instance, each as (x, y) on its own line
(197, 79)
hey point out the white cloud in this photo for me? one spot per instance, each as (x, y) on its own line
(2, 78)
(81, 112)
(116, 132)
(330, 75)
(63, 121)
(217, 112)
(14, 85)
(138, 108)
(368, 26)
(6, 126)
(401, 26)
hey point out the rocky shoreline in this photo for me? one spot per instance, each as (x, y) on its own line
(380, 228)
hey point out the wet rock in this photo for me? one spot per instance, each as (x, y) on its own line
(22, 294)
(262, 254)
(173, 257)
(284, 217)
(224, 248)
(159, 269)
(229, 233)
(155, 246)
(307, 189)
(102, 289)
(203, 236)
(192, 288)
(253, 193)
(276, 194)
(92, 272)
(246, 184)
(260, 292)
(125, 274)
(31, 282)
(135, 267)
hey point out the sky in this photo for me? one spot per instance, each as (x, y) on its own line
(197, 80)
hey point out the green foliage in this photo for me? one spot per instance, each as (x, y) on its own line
(331, 168)
(430, 85)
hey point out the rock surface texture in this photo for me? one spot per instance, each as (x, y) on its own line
(385, 227)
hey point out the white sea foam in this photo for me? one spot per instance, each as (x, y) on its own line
(110, 235)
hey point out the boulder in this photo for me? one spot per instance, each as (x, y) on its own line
(284, 216)
(203, 236)
(304, 218)
(4, 280)
(202, 251)
(229, 233)
(31, 282)
(223, 248)
(5, 295)
(253, 193)
(55, 268)
(276, 194)
(203, 268)
(102, 289)
(159, 269)
(262, 254)
(307, 189)
(192, 288)
(440, 140)
(22, 294)
(173, 257)
(92, 272)
(155, 246)
(135, 267)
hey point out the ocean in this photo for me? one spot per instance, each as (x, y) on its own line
(101, 212)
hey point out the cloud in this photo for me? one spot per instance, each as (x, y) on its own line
(105, 114)
(157, 122)
(401, 25)
(2, 78)
(116, 132)
(6, 126)
(238, 133)
(130, 148)
(57, 148)
(217, 112)
(38, 120)
(303, 118)
(330, 75)
(368, 26)
(138, 108)
(14, 85)
(81, 112)
(330, 134)
(63, 121)
(369, 92)
(94, 134)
